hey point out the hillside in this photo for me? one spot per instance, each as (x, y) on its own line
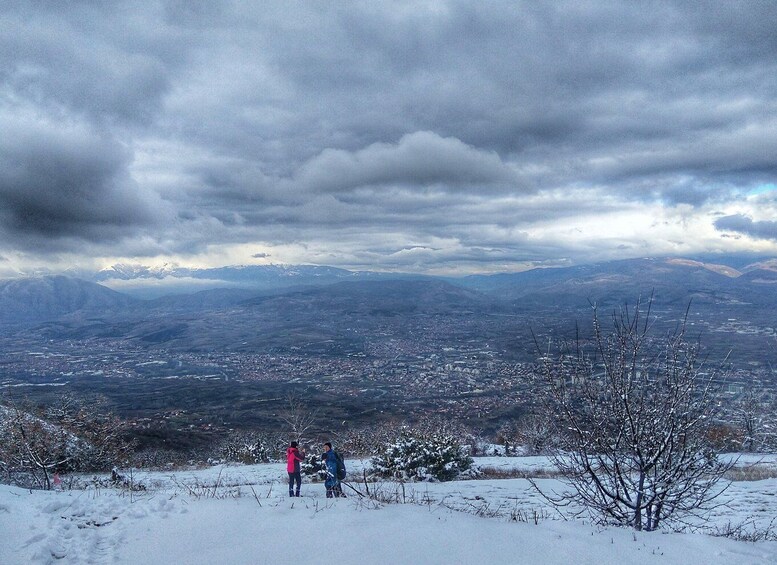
(240, 515)
(672, 281)
(50, 297)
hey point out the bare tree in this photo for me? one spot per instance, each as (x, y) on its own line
(35, 442)
(755, 417)
(32, 449)
(298, 418)
(632, 414)
(535, 433)
(530, 434)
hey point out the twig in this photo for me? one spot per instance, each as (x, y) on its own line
(256, 497)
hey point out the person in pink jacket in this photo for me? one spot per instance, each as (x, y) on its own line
(293, 458)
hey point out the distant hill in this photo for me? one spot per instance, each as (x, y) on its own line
(388, 298)
(765, 265)
(761, 276)
(672, 281)
(332, 319)
(199, 301)
(339, 308)
(763, 272)
(148, 282)
(363, 316)
(50, 297)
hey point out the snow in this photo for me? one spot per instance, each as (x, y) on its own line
(242, 514)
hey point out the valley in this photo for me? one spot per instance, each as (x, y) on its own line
(188, 368)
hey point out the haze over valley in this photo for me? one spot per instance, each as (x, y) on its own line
(359, 348)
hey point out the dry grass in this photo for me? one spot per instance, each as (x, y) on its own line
(755, 472)
(502, 473)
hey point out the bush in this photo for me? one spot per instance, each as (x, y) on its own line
(249, 448)
(422, 457)
(313, 467)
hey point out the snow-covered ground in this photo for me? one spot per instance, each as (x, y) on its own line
(242, 514)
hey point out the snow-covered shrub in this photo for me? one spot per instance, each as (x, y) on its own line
(313, 467)
(246, 448)
(367, 441)
(422, 457)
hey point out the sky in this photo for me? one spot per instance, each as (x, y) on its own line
(437, 137)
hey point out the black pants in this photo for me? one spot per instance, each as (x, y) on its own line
(295, 477)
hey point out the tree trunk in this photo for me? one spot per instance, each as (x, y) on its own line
(638, 503)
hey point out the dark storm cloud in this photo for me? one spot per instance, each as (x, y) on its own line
(65, 182)
(406, 122)
(739, 223)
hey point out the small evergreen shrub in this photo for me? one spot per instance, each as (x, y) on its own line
(313, 467)
(249, 449)
(422, 457)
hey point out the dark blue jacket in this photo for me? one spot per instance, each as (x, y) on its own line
(330, 459)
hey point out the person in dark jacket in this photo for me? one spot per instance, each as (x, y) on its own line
(293, 459)
(332, 483)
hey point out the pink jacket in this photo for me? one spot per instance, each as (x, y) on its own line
(293, 458)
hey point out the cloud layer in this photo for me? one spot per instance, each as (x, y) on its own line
(437, 137)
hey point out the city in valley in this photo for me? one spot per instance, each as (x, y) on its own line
(187, 370)
(182, 383)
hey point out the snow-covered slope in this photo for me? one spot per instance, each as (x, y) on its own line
(242, 515)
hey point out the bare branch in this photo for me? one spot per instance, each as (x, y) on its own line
(633, 413)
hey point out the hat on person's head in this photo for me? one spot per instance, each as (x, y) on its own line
(294, 444)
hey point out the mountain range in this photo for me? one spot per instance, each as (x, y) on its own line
(673, 282)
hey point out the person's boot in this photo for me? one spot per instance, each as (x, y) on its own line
(296, 493)
(291, 493)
